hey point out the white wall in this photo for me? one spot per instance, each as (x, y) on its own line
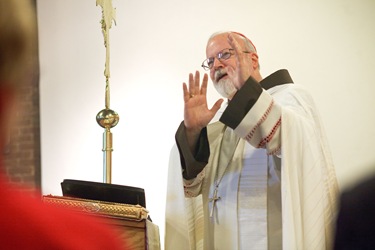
(327, 45)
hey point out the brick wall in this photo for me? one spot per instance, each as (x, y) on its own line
(22, 154)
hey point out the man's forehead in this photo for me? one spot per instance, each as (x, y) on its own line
(217, 43)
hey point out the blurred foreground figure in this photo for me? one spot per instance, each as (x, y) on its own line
(356, 219)
(27, 223)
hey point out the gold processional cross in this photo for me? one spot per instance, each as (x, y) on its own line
(107, 118)
(214, 199)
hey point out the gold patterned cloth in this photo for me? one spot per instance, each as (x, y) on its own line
(132, 220)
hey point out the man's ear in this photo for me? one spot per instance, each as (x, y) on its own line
(254, 59)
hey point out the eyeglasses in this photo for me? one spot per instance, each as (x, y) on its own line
(224, 54)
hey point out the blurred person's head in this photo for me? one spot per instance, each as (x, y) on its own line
(17, 55)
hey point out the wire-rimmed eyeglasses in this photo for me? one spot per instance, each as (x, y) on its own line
(222, 55)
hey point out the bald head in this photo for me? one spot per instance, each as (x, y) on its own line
(248, 44)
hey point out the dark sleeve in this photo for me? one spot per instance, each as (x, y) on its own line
(241, 103)
(192, 163)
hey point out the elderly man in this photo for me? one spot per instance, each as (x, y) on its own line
(256, 173)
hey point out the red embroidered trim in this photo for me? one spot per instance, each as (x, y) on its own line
(270, 135)
(277, 151)
(188, 184)
(188, 194)
(264, 117)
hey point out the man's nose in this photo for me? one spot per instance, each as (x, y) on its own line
(217, 63)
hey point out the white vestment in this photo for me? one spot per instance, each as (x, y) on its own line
(308, 183)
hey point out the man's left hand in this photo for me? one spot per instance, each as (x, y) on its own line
(244, 66)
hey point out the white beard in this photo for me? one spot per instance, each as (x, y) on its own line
(225, 87)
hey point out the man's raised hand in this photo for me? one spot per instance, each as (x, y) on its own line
(196, 113)
(244, 67)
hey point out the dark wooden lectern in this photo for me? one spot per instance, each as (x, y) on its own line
(135, 228)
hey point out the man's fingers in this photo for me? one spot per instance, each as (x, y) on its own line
(217, 105)
(204, 85)
(191, 84)
(186, 92)
(240, 55)
(234, 44)
(195, 88)
(197, 83)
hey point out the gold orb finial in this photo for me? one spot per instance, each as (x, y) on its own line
(107, 118)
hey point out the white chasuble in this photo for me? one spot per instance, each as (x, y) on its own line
(252, 199)
(225, 174)
(308, 185)
(239, 212)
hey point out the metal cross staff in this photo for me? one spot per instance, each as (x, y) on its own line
(107, 118)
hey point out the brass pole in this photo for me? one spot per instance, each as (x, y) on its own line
(107, 149)
(107, 118)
